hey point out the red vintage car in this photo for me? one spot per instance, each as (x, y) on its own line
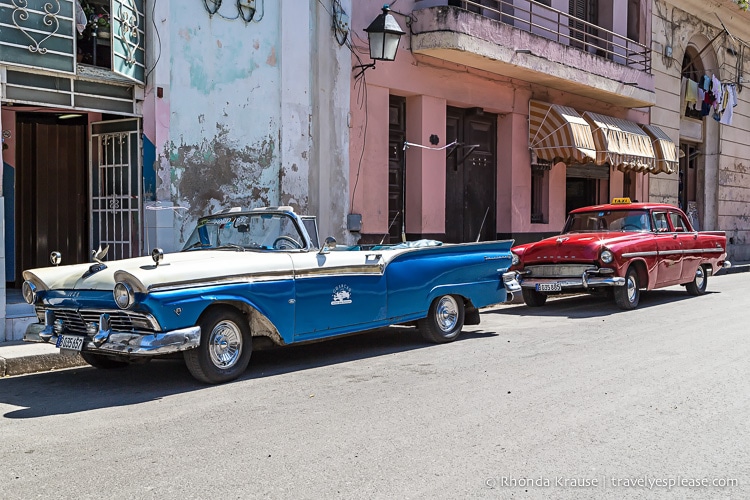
(618, 249)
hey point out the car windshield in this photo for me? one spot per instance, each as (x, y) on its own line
(262, 231)
(608, 220)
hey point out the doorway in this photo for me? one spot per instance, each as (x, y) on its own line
(470, 176)
(50, 191)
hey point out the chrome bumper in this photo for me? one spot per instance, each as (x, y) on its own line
(131, 344)
(516, 281)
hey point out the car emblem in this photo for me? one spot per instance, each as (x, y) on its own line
(561, 240)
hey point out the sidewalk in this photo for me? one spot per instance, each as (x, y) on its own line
(18, 358)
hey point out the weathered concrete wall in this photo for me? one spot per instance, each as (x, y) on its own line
(235, 123)
(724, 163)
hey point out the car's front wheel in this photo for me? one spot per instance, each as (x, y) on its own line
(533, 298)
(628, 295)
(225, 348)
(444, 320)
(699, 283)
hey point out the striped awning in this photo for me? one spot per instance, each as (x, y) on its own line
(667, 155)
(621, 143)
(559, 134)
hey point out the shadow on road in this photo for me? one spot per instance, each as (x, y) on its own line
(592, 306)
(82, 389)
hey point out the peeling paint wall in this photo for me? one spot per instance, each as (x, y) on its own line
(231, 109)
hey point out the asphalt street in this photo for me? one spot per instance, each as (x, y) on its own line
(573, 400)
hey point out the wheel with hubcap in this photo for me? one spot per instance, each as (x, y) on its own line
(225, 348)
(103, 362)
(444, 320)
(699, 283)
(533, 298)
(628, 295)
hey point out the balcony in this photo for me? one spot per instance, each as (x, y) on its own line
(530, 41)
(56, 36)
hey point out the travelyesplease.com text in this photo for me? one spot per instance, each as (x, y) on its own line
(644, 482)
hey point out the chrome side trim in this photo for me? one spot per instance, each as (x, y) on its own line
(639, 254)
(353, 270)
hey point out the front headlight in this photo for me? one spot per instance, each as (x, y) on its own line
(515, 259)
(124, 296)
(29, 292)
(607, 256)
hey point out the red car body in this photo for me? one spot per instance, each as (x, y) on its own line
(618, 249)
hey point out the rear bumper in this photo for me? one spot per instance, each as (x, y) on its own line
(130, 344)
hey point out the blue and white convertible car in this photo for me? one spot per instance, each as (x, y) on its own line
(257, 276)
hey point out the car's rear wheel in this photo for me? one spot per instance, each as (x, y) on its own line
(225, 348)
(533, 298)
(103, 362)
(628, 295)
(444, 320)
(699, 283)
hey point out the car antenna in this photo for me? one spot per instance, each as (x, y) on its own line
(390, 226)
(479, 235)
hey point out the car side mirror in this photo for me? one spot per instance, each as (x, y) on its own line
(329, 245)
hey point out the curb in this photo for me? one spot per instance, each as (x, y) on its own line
(19, 358)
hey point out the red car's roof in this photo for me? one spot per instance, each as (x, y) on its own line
(623, 206)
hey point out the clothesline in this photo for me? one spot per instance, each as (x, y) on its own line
(716, 99)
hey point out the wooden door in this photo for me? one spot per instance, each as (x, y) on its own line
(396, 169)
(470, 177)
(51, 191)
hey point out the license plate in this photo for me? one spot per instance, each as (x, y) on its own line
(548, 287)
(70, 342)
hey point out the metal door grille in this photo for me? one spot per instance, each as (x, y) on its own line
(116, 187)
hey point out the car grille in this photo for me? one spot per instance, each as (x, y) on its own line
(558, 270)
(75, 321)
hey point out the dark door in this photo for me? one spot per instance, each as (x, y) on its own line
(51, 191)
(579, 192)
(470, 182)
(396, 166)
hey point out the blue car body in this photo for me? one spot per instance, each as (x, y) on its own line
(262, 268)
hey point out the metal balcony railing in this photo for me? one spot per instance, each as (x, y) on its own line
(553, 24)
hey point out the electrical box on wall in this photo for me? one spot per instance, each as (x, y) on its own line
(354, 222)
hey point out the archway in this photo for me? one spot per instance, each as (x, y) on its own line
(699, 140)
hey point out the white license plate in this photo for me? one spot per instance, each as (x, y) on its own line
(548, 287)
(70, 342)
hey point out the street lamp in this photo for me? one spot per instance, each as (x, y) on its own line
(383, 34)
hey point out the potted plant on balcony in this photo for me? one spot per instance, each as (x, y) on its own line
(102, 25)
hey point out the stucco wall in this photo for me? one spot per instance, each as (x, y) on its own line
(724, 165)
(431, 84)
(235, 123)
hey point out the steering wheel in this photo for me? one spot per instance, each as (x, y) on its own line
(285, 243)
(631, 226)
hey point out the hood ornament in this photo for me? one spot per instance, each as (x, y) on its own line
(99, 254)
(561, 239)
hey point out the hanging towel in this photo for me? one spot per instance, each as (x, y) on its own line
(717, 91)
(730, 101)
(691, 92)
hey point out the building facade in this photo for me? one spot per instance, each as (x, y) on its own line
(514, 112)
(695, 41)
(125, 120)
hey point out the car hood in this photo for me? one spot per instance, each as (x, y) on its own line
(174, 268)
(575, 247)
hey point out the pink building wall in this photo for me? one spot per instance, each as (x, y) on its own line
(430, 85)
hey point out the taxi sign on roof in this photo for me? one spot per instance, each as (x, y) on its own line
(621, 201)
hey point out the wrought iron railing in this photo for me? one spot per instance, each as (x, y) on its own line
(539, 19)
